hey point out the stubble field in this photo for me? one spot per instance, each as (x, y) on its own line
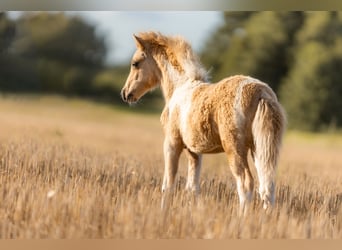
(74, 169)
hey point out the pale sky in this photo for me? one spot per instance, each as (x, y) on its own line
(119, 26)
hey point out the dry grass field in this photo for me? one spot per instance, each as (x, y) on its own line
(75, 169)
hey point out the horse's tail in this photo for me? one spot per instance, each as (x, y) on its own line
(267, 129)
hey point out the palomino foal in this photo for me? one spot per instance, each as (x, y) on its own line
(236, 115)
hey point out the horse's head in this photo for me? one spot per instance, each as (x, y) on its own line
(144, 74)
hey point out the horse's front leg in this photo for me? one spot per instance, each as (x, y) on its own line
(172, 151)
(194, 169)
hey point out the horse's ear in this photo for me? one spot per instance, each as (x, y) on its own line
(139, 42)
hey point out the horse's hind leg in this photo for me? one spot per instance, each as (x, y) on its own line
(172, 151)
(244, 179)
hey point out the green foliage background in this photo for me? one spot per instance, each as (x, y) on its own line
(299, 54)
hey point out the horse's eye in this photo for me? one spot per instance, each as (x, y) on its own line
(135, 64)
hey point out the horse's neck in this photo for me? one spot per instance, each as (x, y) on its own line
(171, 79)
(169, 86)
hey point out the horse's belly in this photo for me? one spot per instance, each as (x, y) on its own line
(212, 150)
(204, 148)
(201, 143)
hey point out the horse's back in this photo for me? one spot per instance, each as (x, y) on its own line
(241, 93)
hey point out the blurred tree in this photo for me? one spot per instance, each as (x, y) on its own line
(311, 93)
(256, 44)
(60, 37)
(58, 53)
(220, 40)
(66, 51)
(7, 32)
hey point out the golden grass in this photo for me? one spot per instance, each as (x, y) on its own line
(74, 169)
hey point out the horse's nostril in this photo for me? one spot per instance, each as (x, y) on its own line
(129, 97)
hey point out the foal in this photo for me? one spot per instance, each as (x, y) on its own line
(234, 116)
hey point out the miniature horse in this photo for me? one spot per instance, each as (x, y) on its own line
(234, 116)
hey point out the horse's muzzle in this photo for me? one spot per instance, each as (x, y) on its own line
(129, 98)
